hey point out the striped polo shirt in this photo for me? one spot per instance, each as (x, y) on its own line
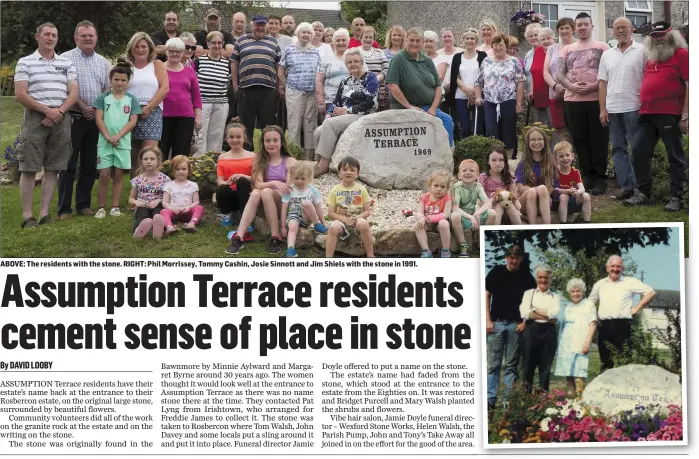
(47, 79)
(213, 76)
(257, 61)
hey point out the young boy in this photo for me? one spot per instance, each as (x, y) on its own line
(466, 215)
(572, 195)
(349, 205)
(302, 205)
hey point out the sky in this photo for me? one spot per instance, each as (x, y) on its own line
(312, 5)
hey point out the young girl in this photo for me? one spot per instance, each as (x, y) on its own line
(302, 205)
(116, 115)
(434, 208)
(536, 176)
(147, 194)
(234, 173)
(497, 177)
(181, 198)
(270, 182)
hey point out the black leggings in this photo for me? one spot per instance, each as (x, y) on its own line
(177, 135)
(145, 212)
(231, 200)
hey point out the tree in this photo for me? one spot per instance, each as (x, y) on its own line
(374, 14)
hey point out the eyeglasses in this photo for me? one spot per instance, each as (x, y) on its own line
(193, 47)
(211, 43)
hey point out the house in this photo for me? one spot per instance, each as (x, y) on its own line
(462, 15)
(653, 315)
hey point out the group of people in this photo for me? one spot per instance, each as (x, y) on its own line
(526, 321)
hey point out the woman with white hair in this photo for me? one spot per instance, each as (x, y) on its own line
(540, 308)
(182, 105)
(357, 95)
(190, 46)
(331, 71)
(440, 61)
(578, 325)
(297, 81)
(537, 90)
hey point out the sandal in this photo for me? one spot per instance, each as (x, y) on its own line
(45, 220)
(189, 228)
(29, 222)
(172, 229)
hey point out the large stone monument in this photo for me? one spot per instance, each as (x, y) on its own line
(398, 149)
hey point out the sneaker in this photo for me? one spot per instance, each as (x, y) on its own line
(236, 246)
(320, 228)
(226, 221)
(158, 226)
(115, 212)
(100, 213)
(622, 195)
(64, 217)
(172, 229)
(673, 205)
(425, 253)
(639, 199)
(251, 228)
(463, 251)
(291, 253)
(600, 188)
(143, 228)
(274, 246)
(446, 253)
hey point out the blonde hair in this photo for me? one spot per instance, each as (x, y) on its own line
(546, 30)
(471, 31)
(437, 175)
(488, 22)
(467, 162)
(209, 37)
(301, 170)
(514, 41)
(387, 43)
(138, 36)
(366, 29)
(142, 153)
(180, 159)
(562, 146)
(531, 26)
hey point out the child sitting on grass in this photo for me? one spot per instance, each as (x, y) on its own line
(467, 195)
(147, 194)
(181, 198)
(303, 204)
(349, 206)
(434, 208)
(572, 195)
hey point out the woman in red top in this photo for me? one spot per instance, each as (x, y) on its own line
(234, 173)
(540, 90)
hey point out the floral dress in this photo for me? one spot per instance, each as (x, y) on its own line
(575, 320)
(358, 95)
(499, 79)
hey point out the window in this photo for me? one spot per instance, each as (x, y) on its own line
(657, 312)
(642, 6)
(639, 12)
(550, 12)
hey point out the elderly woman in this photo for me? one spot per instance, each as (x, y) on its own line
(331, 71)
(297, 73)
(513, 48)
(539, 309)
(578, 325)
(190, 47)
(182, 105)
(356, 96)
(488, 30)
(565, 28)
(462, 95)
(395, 39)
(150, 85)
(317, 40)
(537, 90)
(414, 82)
(213, 73)
(500, 83)
(376, 62)
(430, 48)
(328, 36)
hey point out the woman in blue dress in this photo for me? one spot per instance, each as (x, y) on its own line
(578, 323)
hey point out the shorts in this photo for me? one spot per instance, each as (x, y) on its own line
(297, 217)
(150, 128)
(466, 223)
(347, 231)
(108, 156)
(41, 147)
(573, 205)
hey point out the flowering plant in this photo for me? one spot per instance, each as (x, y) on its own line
(11, 153)
(524, 18)
(644, 29)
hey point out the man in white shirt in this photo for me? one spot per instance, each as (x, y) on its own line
(620, 75)
(615, 297)
(539, 308)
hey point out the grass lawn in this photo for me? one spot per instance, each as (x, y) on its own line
(111, 237)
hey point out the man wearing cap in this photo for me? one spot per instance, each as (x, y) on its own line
(664, 114)
(213, 23)
(504, 288)
(356, 40)
(254, 66)
(171, 29)
(615, 294)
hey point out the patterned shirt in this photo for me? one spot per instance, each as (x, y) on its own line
(47, 79)
(490, 185)
(213, 76)
(499, 79)
(466, 197)
(376, 61)
(301, 65)
(348, 201)
(358, 95)
(257, 61)
(579, 62)
(150, 188)
(335, 71)
(93, 74)
(296, 198)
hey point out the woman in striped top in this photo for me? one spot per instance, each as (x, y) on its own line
(213, 73)
(376, 62)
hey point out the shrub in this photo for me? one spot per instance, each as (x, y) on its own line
(203, 172)
(296, 151)
(474, 147)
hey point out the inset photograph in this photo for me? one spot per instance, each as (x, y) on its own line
(583, 335)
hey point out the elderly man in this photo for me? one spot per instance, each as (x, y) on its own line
(171, 29)
(356, 41)
(615, 294)
(238, 26)
(288, 25)
(213, 23)
(46, 84)
(577, 72)
(254, 67)
(93, 79)
(504, 287)
(620, 74)
(664, 114)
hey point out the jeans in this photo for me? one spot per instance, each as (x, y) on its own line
(504, 129)
(622, 129)
(467, 118)
(84, 136)
(504, 340)
(446, 121)
(648, 129)
(590, 138)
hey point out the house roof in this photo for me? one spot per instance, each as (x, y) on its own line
(666, 299)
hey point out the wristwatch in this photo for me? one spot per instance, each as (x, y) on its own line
(685, 118)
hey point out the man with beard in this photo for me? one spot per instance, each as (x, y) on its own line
(620, 75)
(288, 25)
(254, 66)
(213, 23)
(577, 72)
(664, 113)
(615, 297)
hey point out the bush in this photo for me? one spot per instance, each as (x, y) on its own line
(203, 173)
(475, 147)
(296, 151)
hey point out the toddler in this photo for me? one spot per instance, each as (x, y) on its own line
(181, 198)
(434, 208)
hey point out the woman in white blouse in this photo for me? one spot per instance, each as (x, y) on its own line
(539, 309)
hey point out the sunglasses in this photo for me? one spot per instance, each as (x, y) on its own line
(190, 47)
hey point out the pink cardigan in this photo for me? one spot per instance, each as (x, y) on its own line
(184, 95)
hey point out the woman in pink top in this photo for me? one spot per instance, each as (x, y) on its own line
(182, 105)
